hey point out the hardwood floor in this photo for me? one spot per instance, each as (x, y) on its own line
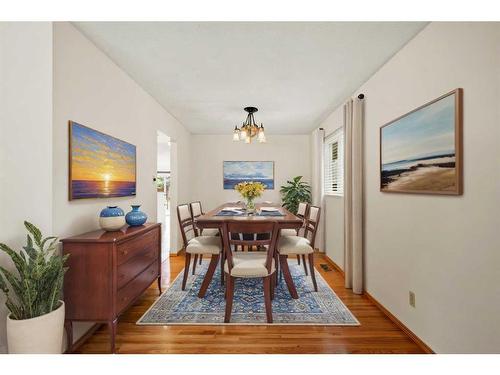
(377, 334)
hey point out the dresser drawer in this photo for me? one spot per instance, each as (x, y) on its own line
(136, 246)
(131, 290)
(134, 266)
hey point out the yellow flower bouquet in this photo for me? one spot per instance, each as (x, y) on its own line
(250, 190)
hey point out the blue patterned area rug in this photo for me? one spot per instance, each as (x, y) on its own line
(175, 307)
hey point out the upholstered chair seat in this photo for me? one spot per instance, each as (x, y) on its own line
(249, 265)
(294, 245)
(204, 245)
(288, 232)
(210, 232)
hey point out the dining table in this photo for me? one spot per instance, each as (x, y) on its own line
(286, 220)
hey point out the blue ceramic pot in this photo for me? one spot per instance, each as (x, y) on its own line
(112, 218)
(135, 217)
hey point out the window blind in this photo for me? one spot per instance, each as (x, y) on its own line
(334, 163)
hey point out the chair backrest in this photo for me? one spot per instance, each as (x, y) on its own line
(312, 222)
(302, 210)
(196, 209)
(186, 223)
(254, 228)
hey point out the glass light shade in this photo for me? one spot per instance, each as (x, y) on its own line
(243, 134)
(236, 135)
(248, 139)
(262, 137)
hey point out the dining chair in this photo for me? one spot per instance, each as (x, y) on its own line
(250, 264)
(197, 211)
(302, 211)
(197, 245)
(302, 245)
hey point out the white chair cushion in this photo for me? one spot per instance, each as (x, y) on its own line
(294, 245)
(210, 232)
(249, 265)
(204, 245)
(288, 232)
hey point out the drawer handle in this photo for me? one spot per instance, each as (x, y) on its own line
(124, 252)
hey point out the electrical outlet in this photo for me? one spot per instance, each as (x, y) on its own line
(412, 299)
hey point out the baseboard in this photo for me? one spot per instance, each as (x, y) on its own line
(334, 265)
(177, 253)
(427, 349)
(85, 337)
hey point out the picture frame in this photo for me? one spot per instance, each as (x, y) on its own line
(425, 154)
(234, 172)
(99, 165)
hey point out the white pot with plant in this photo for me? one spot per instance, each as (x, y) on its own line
(35, 323)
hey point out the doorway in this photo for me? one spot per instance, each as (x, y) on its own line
(164, 191)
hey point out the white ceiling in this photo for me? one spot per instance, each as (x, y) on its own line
(204, 73)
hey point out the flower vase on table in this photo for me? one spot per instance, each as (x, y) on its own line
(250, 190)
(250, 206)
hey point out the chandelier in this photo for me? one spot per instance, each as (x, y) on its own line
(249, 129)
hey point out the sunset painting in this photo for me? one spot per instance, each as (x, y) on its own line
(420, 151)
(101, 166)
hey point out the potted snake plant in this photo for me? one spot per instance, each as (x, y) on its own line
(35, 323)
(294, 192)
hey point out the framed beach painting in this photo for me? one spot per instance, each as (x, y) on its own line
(235, 172)
(100, 166)
(421, 151)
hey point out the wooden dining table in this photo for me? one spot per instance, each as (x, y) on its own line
(287, 221)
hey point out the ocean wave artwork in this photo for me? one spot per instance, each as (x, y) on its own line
(420, 151)
(235, 172)
(101, 166)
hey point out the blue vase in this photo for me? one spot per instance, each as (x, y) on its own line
(135, 217)
(112, 218)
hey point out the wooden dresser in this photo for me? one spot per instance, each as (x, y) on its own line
(107, 272)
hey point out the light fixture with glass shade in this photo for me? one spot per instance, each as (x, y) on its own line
(249, 129)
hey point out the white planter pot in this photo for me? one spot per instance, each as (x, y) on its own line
(43, 334)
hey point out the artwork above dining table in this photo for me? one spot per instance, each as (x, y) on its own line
(421, 151)
(235, 172)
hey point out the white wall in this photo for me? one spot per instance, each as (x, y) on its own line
(25, 136)
(445, 249)
(90, 89)
(290, 153)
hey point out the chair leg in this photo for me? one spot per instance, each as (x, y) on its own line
(273, 284)
(311, 267)
(201, 258)
(222, 261)
(305, 264)
(229, 297)
(268, 298)
(195, 261)
(298, 259)
(288, 277)
(186, 271)
(214, 261)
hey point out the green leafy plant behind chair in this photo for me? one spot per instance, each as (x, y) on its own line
(38, 283)
(294, 192)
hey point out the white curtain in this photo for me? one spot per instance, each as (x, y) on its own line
(353, 195)
(317, 139)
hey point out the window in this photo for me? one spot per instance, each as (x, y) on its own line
(333, 160)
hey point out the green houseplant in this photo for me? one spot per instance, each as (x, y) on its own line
(36, 320)
(294, 192)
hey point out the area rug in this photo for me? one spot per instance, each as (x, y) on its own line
(176, 307)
